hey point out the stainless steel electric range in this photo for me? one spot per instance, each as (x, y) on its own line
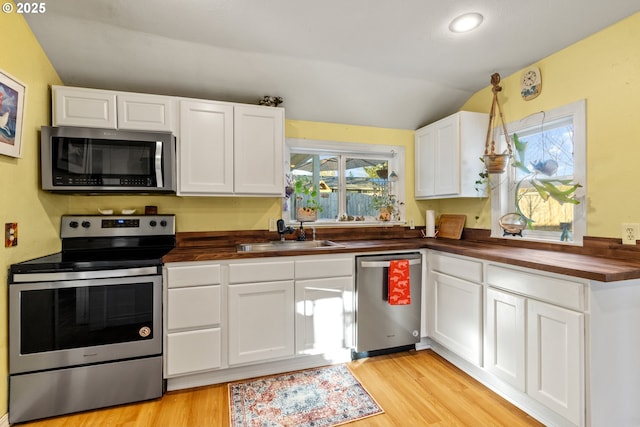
(85, 324)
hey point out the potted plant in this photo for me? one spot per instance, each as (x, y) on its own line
(495, 163)
(307, 205)
(386, 204)
(539, 175)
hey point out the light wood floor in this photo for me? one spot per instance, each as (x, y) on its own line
(414, 388)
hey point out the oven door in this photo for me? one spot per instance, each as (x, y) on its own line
(55, 324)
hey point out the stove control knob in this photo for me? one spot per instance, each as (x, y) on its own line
(86, 224)
(163, 223)
(73, 224)
(153, 223)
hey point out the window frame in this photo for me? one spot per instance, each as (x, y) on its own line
(501, 197)
(394, 154)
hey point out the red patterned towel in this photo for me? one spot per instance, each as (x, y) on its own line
(399, 286)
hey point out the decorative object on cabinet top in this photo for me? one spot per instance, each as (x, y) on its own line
(271, 101)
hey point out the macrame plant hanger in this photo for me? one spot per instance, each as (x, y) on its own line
(496, 163)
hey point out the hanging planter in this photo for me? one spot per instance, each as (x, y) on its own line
(496, 163)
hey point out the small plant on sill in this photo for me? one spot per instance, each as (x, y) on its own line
(307, 205)
(387, 205)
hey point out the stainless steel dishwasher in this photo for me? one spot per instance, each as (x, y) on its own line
(382, 327)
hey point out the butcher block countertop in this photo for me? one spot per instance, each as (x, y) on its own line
(600, 259)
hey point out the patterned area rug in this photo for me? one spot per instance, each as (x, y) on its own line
(321, 397)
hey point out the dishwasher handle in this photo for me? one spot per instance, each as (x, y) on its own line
(385, 264)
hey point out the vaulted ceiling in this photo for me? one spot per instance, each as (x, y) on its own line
(368, 62)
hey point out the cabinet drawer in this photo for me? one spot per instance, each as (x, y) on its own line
(546, 288)
(458, 267)
(193, 275)
(260, 272)
(327, 267)
(193, 307)
(193, 351)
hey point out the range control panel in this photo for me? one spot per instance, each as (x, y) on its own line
(114, 225)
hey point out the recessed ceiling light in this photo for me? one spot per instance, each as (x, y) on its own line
(466, 22)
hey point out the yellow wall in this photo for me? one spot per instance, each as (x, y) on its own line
(37, 213)
(604, 69)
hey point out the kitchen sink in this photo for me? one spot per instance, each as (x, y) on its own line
(288, 245)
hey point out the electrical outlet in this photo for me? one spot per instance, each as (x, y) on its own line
(630, 233)
(10, 234)
(273, 224)
(412, 226)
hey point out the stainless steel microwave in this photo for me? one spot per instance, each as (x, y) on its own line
(88, 160)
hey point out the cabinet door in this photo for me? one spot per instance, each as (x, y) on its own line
(261, 321)
(192, 351)
(145, 112)
(455, 315)
(447, 156)
(323, 315)
(84, 107)
(505, 346)
(258, 150)
(555, 359)
(438, 158)
(205, 153)
(424, 162)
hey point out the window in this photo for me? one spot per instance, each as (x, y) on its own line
(352, 183)
(554, 156)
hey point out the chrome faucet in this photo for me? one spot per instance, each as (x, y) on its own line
(283, 229)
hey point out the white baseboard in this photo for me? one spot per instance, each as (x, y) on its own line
(4, 421)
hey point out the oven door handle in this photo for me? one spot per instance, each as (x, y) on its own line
(83, 275)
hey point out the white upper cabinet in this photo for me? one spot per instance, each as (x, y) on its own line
(84, 107)
(205, 148)
(223, 148)
(73, 106)
(230, 149)
(145, 112)
(447, 156)
(258, 150)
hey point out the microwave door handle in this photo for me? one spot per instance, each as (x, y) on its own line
(158, 158)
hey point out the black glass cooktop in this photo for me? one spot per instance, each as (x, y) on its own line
(97, 254)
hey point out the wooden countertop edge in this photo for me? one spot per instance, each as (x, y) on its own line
(590, 267)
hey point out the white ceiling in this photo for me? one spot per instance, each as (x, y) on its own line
(367, 62)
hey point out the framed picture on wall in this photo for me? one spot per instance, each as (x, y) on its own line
(11, 112)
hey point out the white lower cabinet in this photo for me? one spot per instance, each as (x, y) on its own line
(505, 337)
(192, 318)
(537, 348)
(260, 306)
(555, 359)
(454, 306)
(243, 318)
(261, 321)
(324, 307)
(533, 337)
